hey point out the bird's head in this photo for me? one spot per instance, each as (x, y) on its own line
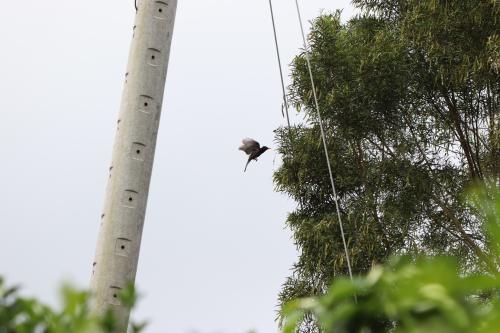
(265, 148)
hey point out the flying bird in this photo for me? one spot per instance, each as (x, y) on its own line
(253, 149)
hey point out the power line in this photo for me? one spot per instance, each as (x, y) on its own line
(285, 102)
(320, 121)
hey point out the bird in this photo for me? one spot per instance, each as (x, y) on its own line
(253, 149)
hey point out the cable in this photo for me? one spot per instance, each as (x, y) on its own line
(285, 102)
(335, 198)
(319, 118)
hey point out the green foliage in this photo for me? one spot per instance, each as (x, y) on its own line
(427, 294)
(28, 315)
(409, 92)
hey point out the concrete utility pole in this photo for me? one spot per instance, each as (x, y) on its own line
(122, 220)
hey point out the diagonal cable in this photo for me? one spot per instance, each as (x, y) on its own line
(335, 198)
(285, 102)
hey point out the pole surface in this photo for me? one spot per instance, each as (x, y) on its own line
(122, 220)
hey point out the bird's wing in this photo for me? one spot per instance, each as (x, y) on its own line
(249, 146)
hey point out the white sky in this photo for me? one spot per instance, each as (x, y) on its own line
(215, 249)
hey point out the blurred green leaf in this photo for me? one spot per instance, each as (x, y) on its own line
(27, 315)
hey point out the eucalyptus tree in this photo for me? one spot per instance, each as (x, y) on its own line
(409, 92)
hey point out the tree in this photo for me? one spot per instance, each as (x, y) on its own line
(409, 93)
(407, 295)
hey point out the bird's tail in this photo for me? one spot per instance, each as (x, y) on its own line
(248, 162)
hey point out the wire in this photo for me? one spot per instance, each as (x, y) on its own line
(320, 121)
(135, 4)
(285, 102)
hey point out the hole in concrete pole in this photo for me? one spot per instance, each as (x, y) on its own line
(153, 56)
(137, 150)
(146, 104)
(123, 247)
(161, 10)
(129, 198)
(113, 295)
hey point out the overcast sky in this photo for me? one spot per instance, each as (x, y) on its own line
(215, 249)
